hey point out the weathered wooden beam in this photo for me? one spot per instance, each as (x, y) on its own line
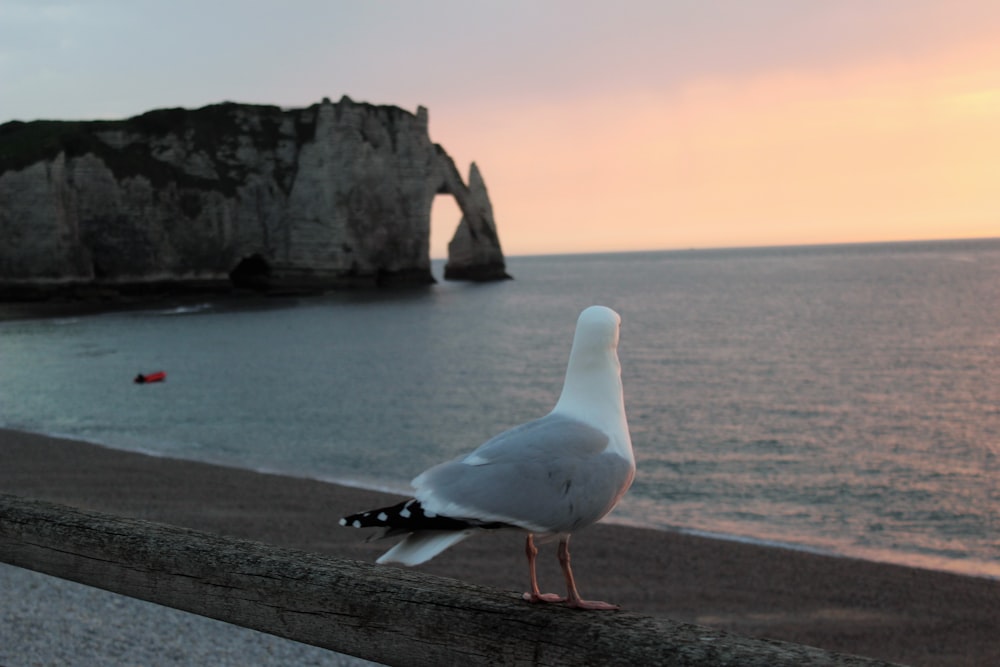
(393, 616)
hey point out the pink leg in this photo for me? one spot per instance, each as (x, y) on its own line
(574, 600)
(535, 595)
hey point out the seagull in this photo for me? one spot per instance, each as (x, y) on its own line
(549, 477)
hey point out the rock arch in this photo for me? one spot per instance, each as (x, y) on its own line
(288, 199)
(474, 250)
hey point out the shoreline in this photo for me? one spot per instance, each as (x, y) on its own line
(387, 490)
(898, 613)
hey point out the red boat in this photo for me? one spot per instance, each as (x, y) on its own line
(158, 376)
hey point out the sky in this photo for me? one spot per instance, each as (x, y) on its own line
(597, 126)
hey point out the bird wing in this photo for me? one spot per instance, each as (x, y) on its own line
(551, 475)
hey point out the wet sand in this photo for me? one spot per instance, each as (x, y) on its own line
(895, 613)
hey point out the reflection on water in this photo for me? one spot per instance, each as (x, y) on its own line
(843, 399)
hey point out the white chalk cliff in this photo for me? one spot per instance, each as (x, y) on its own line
(295, 199)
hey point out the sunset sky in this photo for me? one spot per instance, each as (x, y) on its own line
(597, 126)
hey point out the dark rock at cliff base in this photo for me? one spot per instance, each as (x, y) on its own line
(256, 197)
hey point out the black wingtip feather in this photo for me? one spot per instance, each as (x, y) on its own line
(408, 517)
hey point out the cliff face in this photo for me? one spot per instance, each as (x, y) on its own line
(311, 198)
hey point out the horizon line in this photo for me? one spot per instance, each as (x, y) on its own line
(762, 246)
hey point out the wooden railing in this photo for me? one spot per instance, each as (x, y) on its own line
(392, 616)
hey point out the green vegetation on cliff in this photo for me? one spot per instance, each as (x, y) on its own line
(213, 130)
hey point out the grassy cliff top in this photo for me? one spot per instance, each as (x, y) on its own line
(25, 143)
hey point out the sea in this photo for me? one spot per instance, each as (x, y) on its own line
(839, 399)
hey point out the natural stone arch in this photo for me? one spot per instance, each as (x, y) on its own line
(445, 215)
(287, 199)
(474, 251)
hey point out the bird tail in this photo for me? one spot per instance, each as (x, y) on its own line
(406, 517)
(427, 534)
(417, 548)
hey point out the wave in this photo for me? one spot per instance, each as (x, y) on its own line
(183, 310)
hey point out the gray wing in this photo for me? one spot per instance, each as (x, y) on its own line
(549, 475)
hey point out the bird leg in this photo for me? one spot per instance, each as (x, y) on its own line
(573, 599)
(536, 595)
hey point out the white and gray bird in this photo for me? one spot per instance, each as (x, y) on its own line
(548, 477)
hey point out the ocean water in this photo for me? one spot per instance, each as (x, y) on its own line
(843, 399)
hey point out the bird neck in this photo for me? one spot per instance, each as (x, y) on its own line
(593, 394)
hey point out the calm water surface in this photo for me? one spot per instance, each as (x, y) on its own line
(844, 399)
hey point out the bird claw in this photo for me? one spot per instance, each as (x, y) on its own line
(542, 597)
(589, 605)
(592, 605)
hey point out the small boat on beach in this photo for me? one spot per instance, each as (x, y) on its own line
(158, 376)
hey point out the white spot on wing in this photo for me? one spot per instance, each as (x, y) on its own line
(356, 524)
(382, 516)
